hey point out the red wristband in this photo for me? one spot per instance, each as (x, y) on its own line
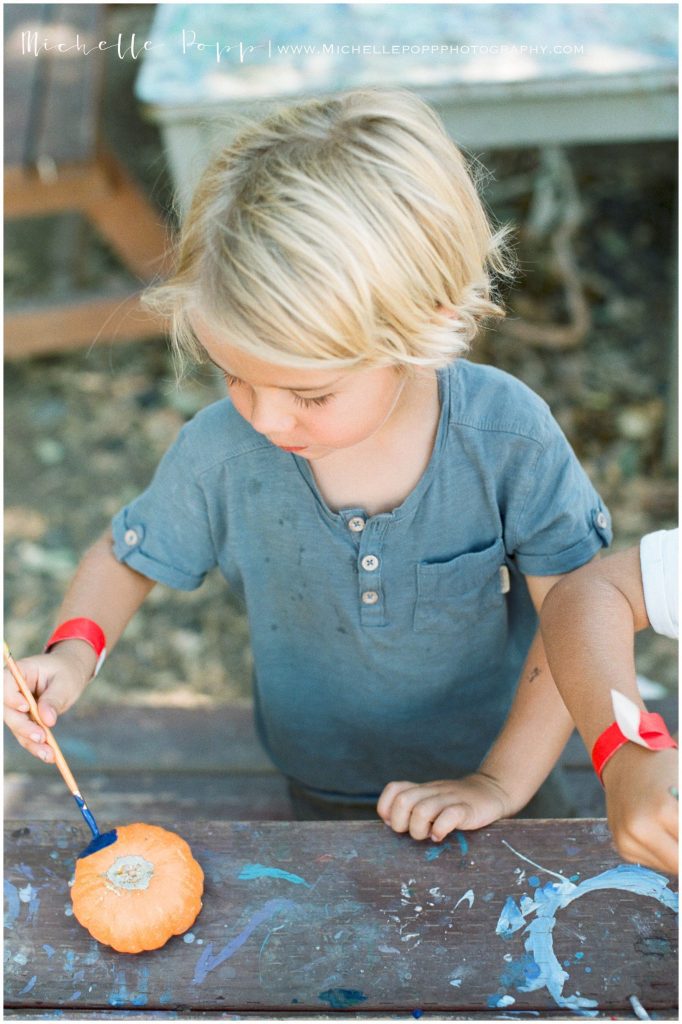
(653, 732)
(81, 629)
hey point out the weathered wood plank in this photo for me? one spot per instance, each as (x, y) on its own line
(51, 99)
(154, 739)
(154, 797)
(474, 1015)
(360, 919)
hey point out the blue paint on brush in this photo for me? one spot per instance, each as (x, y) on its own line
(100, 840)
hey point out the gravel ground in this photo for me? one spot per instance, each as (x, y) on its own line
(85, 430)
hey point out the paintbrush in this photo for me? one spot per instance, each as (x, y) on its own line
(100, 840)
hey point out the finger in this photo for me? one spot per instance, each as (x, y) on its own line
(403, 804)
(47, 710)
(30, 736)
(12, 695)
(452, 817)
(388, 795)
(661, 854)
(424, 813)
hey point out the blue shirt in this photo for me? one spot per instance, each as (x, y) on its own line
(386, 646)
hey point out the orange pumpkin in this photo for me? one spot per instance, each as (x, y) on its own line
(137, 893)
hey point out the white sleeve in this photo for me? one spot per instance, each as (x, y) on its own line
(658, 553)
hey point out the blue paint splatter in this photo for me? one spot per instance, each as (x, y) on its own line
(342, 998)
(435, 851)
(49, 950)
(533, 880)
(519, 972)
(417, 1014)
(207, 962)
(13, 903)
(500, 1001)
(29, 985)
(461, 839)
(579, 956)
(510, 920)
(119, 993)
(250, 871)
(555, 896)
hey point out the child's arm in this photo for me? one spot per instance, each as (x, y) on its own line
(104, 590)
(535, 733)
(588, 623)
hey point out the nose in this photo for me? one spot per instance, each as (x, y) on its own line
(269, 415)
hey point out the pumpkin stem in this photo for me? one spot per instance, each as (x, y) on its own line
(131, 872)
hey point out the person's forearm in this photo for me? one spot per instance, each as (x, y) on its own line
(589, 633)
(535, 733)
(106, 591)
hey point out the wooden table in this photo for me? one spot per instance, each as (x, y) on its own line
(500, 75)
(317, 918)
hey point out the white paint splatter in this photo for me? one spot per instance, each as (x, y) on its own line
(412, 935)
(388, 949)
(188, 937)
(20, 958)
(562, 878)
(456, 982)
(27, 893)
(469, 896)
(68, 910)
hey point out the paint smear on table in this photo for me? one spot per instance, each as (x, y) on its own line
(468, 896)
(207, 962)
(555, 896)
(250, 871)
(342, 998)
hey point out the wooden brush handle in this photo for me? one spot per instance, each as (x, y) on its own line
(60, 760)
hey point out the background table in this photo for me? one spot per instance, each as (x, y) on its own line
(617, 79)
(321, 917)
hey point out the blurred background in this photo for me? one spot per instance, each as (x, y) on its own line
(580, 154)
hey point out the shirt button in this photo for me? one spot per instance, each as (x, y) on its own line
(356, 524)
(370, 597)
(602, 521)
(131, 537)
(370, 563)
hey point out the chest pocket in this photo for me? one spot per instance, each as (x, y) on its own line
(463, 598)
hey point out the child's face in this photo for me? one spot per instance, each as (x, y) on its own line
(310, 412)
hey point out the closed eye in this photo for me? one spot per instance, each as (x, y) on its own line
(299, 399)
(307, 402)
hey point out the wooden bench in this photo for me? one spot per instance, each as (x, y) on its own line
(524, 917)
(56, 162)
(196, 764)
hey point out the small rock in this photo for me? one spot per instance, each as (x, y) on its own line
(49, 451)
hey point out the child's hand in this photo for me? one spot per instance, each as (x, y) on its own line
(57, 680)
(642, 812)
(431, 810)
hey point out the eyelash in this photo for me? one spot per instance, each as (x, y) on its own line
(299, 399)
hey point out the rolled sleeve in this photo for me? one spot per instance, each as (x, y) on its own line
(563, 522)
(165, 533)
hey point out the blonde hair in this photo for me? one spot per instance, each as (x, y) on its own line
(344, 231)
